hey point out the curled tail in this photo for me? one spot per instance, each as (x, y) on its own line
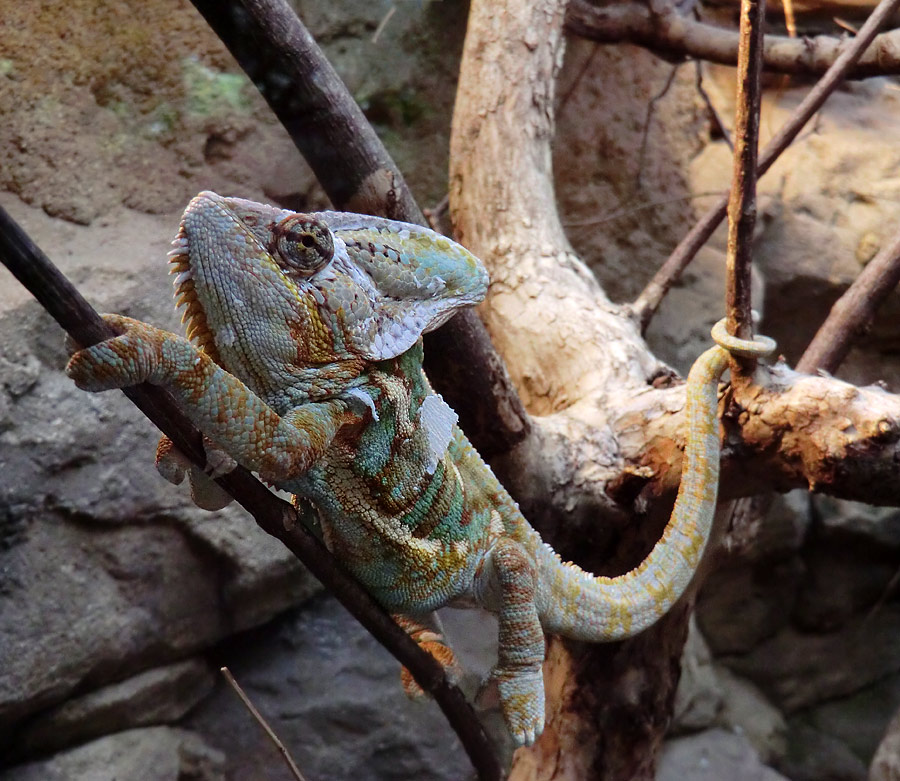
(576, 604)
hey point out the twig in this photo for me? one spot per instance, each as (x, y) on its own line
(651, 110)
(714, 113)
(66, 305)
(293, 75)
(619, 214)
(651, 297)
(384, 22)
(436, 212)
(289, 760)
(672, 35)
(742, 200)
(852, 312)
(790, 21)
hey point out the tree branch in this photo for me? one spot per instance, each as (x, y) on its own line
(649, 300)
(852, 313)
(671, 34)
(66, 305)
(282, 59)
(742, 200)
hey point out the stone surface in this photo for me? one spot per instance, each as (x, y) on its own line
(714, 755)
(859, 720)
(150, 754)
(814, 756)
(747, 712)
(699, 696)
(797, 670)
(333, 697)
(886, 762)
(157, 696)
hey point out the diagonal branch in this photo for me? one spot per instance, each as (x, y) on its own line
(282, 59)
(853, 312)
(677, 36)
(60, 298)
(649, 300)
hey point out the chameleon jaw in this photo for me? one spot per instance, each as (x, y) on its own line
(193, 317)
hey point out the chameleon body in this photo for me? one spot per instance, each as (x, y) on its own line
(303, 363)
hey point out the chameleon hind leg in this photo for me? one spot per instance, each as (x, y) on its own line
(509, 572)
(428, 633)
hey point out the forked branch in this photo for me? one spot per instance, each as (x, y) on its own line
(672, 34)
(649, 300)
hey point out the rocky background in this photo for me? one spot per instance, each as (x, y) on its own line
(119, 600)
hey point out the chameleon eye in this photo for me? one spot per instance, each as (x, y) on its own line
(302, 243)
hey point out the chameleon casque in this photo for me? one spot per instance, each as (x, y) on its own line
(303, 363)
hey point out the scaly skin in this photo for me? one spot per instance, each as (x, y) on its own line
(303, 363)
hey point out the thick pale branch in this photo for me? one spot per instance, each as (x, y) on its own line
(789, 431)
(672, 34)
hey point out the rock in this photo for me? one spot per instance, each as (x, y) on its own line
(151, 754)
(797, 670)
(760, 593)
(157, 696)
(333, 697)
(699, 696)
(814, 756)
(850, 564)
(886, 762)
(714, 755)
(746, 711)
(858, 720)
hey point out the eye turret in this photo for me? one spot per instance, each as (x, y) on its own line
(303, 243)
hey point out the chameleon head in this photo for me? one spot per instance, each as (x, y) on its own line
(242, 272)
(268, 291)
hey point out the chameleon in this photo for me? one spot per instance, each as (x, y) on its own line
(303, 363)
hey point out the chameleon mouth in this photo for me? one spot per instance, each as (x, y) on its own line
(193, 317)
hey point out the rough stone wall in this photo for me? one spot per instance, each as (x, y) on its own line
(118, 599)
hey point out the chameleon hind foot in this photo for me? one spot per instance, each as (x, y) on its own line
(429, 635)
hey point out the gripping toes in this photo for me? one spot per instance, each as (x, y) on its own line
(118, 362)
(522, 703)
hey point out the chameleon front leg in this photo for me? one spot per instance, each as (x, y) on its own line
(428, 633)
(218, 403)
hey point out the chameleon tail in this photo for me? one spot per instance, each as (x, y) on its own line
(576, 604)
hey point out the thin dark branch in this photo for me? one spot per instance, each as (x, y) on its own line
(281, 58)
(675, 36)
(713, 112)
(853, 311)
(645, 134)
(59, 297)
(248, 704)
(651, 297)
(742, 200)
